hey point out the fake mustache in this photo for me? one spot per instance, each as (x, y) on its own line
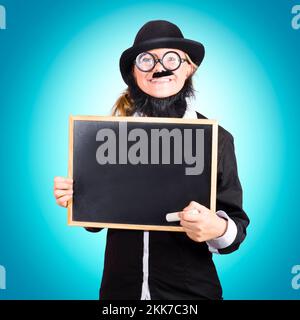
(164, 73)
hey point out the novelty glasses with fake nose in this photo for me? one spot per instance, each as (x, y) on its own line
(146, 61)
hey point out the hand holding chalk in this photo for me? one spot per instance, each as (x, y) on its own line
(174, 216)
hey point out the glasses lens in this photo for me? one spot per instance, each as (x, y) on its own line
(171, 61)
(144, 61)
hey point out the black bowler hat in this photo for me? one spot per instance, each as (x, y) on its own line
(159, 34)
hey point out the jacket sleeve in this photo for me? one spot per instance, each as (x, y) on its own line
(230, 194)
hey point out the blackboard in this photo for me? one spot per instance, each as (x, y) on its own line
(129, 172)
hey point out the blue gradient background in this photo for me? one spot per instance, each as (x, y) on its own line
(61, 57)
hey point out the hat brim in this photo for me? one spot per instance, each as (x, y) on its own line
(194, 49)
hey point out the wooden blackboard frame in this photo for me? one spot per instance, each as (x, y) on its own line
(212, 123)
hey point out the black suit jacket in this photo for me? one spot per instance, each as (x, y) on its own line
(179, 268)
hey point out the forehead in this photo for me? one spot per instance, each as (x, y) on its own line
(161, 51)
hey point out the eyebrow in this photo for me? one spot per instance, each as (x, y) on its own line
(155, 54)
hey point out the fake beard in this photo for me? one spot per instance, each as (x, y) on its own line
(173, 106)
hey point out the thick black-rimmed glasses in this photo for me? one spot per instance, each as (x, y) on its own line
(171, 61)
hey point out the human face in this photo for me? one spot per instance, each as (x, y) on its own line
(164, 86)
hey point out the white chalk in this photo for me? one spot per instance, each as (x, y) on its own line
(173, 216)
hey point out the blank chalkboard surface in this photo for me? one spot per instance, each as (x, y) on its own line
(129, 172)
